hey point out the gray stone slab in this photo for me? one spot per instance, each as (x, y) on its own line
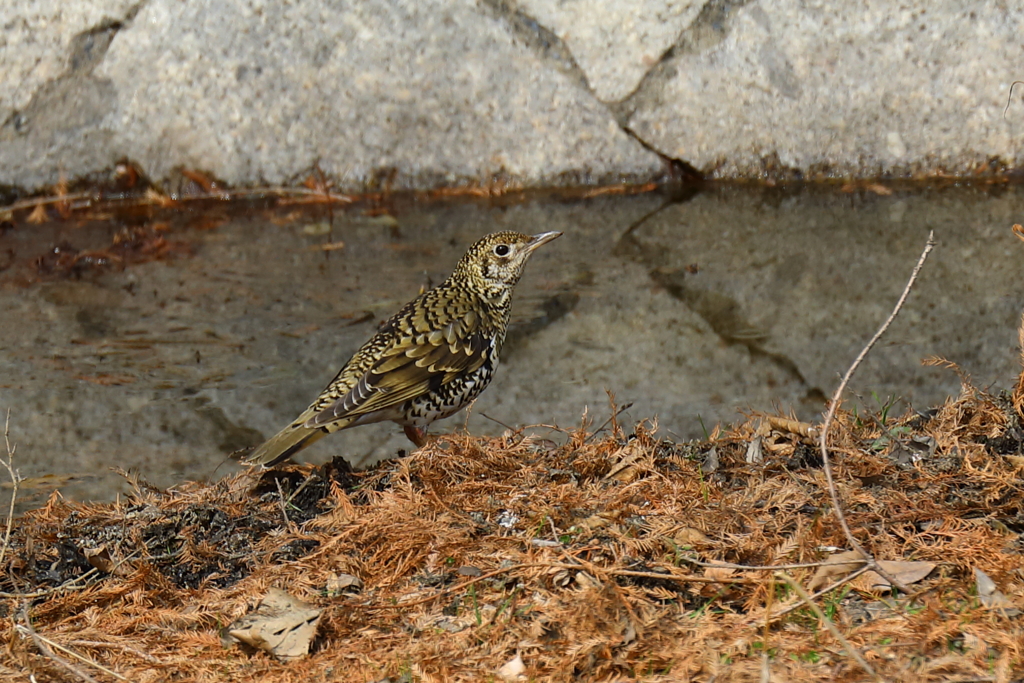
(42, 41)
(407, 93)
(615, 43)
(833, 88)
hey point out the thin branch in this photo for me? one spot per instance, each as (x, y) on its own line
(1009, 97)
(118, 646)
(44, 647)
(827, 589)
(686, 578)
(89, 578)
(281, 502)
(299, 488)
(82, 658)
(752, 567)
(834, 406)
(560, 565)
(609, 421)
(70, 585)
(850, 649)
(43, 201)
(499, 422)
(467, 584)
(15, 480)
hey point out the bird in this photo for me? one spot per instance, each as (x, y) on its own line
(428, 361)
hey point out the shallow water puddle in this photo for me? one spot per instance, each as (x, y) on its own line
(196, 335)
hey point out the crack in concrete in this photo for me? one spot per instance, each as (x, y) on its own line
(75, 95)
(552, 50)
(722, 313)
(705, 32)
(545, 44)
(88, 48)
(708, 30)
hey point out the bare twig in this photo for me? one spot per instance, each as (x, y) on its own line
(42, 201)
(850, 649)
(834, 406)
(15, 480)
(518, 433)
(751, 567)
(71, 585)
(685, 578)
(1009, 97)
(82, 582)
(118, 646)
(611, 419)
(561, 565)
(45, 645)
(281, 501)
(467, 584)
(499, 422)
(827, 589)
(299, 488)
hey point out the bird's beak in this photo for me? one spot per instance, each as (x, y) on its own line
(540, 239)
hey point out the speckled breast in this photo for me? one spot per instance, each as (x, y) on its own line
(447, 399)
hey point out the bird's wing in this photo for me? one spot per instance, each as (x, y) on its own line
(413, 364)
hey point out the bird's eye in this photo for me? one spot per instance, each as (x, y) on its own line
(501, 250)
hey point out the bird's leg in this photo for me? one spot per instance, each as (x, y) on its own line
(418, 435)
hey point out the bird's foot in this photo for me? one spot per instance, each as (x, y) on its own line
(417, 435)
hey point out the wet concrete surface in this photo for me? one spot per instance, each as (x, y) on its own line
(692, 310)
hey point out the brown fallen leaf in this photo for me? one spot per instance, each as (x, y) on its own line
(719, 573)
(513, 669)
(626, 458)
(905, 572)
(597, 520)
(99, 558)
(282, 625)
(339, 584)
(991, 597)
(835, 566)
(688, 536)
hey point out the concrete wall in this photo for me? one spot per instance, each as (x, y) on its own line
(537, 92)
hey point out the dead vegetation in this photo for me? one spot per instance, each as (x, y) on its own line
(150, 217)
(755, 554)
(615, 556)
(126, 188)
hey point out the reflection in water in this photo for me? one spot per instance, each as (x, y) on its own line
(728, 300)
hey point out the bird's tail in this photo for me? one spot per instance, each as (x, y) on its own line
(285, 443)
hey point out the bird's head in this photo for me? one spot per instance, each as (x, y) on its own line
(495, 263)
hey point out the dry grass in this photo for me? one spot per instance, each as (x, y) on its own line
(607, 557)
(585, 576)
